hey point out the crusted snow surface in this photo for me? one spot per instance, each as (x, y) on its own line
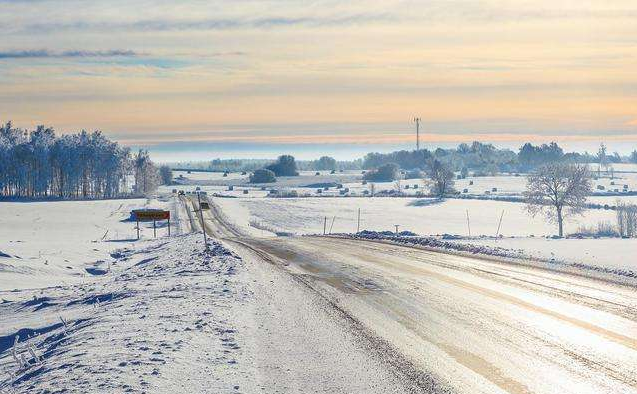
(160, 311)
(171, 317)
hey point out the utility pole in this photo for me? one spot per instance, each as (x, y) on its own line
(396, 225)
(417, 120)
(324, 225)
(203, 226)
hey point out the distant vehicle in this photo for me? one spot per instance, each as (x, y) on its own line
(243, 173)
(181, 193)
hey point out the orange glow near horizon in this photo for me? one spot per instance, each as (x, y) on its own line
(348, 73)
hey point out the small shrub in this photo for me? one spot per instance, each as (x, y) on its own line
(262, 176)
(385, 173)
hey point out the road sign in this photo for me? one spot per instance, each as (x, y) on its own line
(142, 215)
(150, 215)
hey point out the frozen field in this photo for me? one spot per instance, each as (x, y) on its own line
(51, 243)
(308, 184)
(422, 216)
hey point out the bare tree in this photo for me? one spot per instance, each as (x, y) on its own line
(558, 189)
(626, 219)
(441, 177)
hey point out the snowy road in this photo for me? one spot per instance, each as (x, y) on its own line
(477, 326)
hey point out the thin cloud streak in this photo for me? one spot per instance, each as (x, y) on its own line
(376, 138)
(45, 53)
(209, 24)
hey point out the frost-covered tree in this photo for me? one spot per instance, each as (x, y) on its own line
(441, 177)
(166, 175)
(325, 163)
(558, 189)
(38, 164)
(147, 177)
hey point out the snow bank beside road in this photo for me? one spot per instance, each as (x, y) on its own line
(565, 261)
(161, 325)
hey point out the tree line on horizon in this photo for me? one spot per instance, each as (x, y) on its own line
(481, 158)
(84, 165)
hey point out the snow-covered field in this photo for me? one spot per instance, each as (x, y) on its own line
(165, 316)
(423, 216)
(308, 184)
(522, 234)
(54, 242)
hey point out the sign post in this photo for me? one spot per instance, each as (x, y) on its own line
(148, 215)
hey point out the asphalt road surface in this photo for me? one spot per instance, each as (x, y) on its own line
(472, 325)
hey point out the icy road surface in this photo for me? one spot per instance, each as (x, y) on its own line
(474, 325)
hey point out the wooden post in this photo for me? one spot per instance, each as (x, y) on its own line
(203, 226)
(169, 227)
(154, 228)
(358, 222)
(138, 229)
(396, 225)
(324, 225)
(499, 224)
(332, 225)
(468, 223)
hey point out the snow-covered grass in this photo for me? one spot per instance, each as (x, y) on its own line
(147, 327)
(51, 243)
(422, 216)
(616, 253)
